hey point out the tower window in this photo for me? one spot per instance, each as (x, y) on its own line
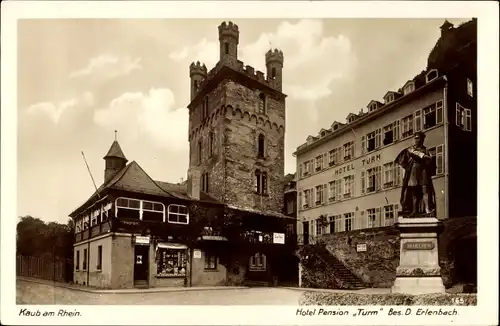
(260, 182)
(273, 72)
(204, 182)
(211, 143)
(199, 152)
(226, 48)
(196, 84)
(262, 103)
(260, 146)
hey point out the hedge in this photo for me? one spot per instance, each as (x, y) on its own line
(390, 299)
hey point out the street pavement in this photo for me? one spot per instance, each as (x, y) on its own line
(28, 292)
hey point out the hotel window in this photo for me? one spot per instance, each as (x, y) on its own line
(395, 130)
(94, 217)
(210, 261)
(463, 118)
(374, 217)
(307, 197)
(260, 146)
(410, 87)
(307, 167)
(331, 224)
(331, 190)
(262, 103)
(348, 150)
(388, 175)
(437, 156)
(470, 88)
(320, 194)
(349, 186)
(431, 75)
(84, 266)
(389, 215)
(99, 258)
(257, 262)
(388, 134)
(319, 227)
(373, 183)
(370, 138)
(407, 126)
(178, 214)
(171, 262)
(348, 221)
(433, 114)
(77, 264)
(319, 162)
(418, 120)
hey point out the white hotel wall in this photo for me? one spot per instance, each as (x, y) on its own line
(434, 137)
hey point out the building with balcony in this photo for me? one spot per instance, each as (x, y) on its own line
(225, 225)
(347, 179)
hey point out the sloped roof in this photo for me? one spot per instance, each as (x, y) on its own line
(115, 151)
(180, 191)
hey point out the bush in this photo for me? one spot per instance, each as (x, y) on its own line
(389, 299)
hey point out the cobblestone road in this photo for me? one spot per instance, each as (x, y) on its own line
(36, 293)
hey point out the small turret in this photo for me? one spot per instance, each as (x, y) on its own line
(115, 161)
(229, 37)
(274, 65)
(197, 72)
(446, 27)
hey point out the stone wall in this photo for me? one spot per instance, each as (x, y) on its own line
(202, 277)
(377, 265)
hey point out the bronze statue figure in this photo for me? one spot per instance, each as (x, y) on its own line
(417, 183)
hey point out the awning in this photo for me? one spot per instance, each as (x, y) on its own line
(169, 245)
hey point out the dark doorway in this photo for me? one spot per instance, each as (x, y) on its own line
(305, 228)
(141, 266)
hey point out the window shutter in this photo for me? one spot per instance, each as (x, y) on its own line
(418, 120)
(396, 211)
(468, 120)
(363, 182)
(362, 224)
(378, 138)
(396, 130)
(363, 145)
(439, 112)
(378, 212)
(353, 182)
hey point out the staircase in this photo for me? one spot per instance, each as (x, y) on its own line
(256, 284)
(141, 284)
(341, 273)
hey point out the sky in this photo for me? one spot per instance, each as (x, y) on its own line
(81, 79)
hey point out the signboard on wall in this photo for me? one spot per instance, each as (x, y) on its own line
(361, 247)
(197, 254)
(279, 238)
(142, 240)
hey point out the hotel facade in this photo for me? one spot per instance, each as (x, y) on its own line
(347, 178)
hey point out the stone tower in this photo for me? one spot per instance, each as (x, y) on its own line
(237, 128)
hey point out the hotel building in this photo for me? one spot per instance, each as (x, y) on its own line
(347, 179)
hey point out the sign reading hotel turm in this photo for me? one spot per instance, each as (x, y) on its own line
(418, 271)
(142, 240)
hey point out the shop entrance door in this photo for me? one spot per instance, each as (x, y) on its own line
(141, 266)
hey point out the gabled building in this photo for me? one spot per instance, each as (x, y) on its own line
(225, 225)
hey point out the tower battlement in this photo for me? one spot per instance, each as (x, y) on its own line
(197, 69)
(274, 55)
(228, 29)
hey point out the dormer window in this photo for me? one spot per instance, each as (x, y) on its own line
(335, 126)
(389, 98)
(372, 107)
(431, 75)
(410, 87)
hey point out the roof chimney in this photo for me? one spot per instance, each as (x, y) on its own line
(193, 183)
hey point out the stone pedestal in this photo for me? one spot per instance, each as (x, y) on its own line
(418, 271)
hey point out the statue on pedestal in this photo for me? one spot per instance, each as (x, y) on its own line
(417, 183)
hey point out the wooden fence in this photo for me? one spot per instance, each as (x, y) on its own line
(45, 268)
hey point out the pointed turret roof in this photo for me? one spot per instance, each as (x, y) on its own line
(115, 151)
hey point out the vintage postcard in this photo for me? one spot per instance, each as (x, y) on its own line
(278, 163)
